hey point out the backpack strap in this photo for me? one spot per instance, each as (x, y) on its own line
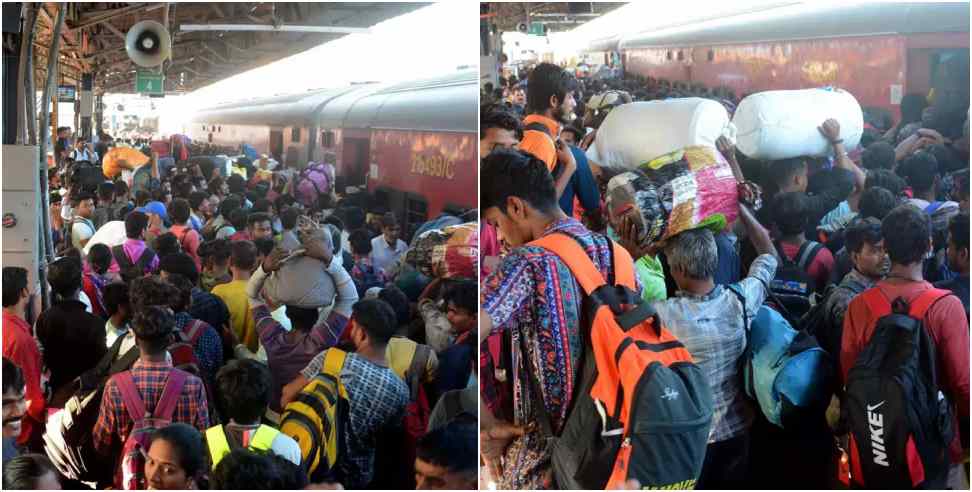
(734, 288)
(415, 370)
(808, 251)
(333, 362)
(121, 257)
(193, 331)
(130, 397)
(170, 395)
(217, 443)
(581, 266)
(538, 127)
(921, 304)
(145, 259)
(784, 260)
(263, 438)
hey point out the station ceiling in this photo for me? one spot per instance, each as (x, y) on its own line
(93, 37)
(556, 16)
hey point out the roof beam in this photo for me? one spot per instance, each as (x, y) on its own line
(115, 30)
(215, 53)
(131, 9)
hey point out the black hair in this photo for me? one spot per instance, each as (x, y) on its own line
(878, 155)
(179, 211)
(13, 377)
(219, 249)
(182, 284)
(885, 179)
(302, 318)
(229, 205)
(907, 232)
(497, 116)
(919, 170)
(236, 184)
(388, 219)
(243, 469)
(135, 224)
(513, 173)
(876, 202)
(115, 296)
(153, 326)
(14, 282)
(237, 218)
(288, 218)
(106, 191)
(243, 254)
(578, 133)
(77, 198)
(261, 205)
(452, 446)
(244, 389)
(946, 159)
(958, 227)
(25, 471)
(464, 294)
(398, 302)
(99, 257)
(862, 230)
(354, 217)
(142, 197)
(960, 184)
(215, 185)
(335, 221)
(360, 242)
(257, 217)
(150, 291)
(181, 186)
(197, 198)
(264, 245)
(783, 170)
(64, 275)
(121, 189)
(167, 245)
(188, 444)
(547, 80)
(912, 105)
(377, 318)
(790, 211)
(182, 264)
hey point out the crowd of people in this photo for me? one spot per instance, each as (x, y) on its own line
(183, 349)
(891, 217)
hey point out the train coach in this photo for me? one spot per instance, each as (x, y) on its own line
(876, 51)
(412, 144)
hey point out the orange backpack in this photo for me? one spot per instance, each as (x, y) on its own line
(641, 408)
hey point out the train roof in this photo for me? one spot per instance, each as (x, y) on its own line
(810, 21)
(445, 103)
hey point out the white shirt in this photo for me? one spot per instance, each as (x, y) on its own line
(84, 155)
(81, 231)
(383, 256)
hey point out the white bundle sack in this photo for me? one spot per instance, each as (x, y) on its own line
(635, 133)
(775, 125)
(111, 234)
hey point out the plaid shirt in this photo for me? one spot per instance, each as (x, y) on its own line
(114, 423)
(712, 329)
(209, 308)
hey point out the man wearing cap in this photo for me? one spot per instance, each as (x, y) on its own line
(156, 220)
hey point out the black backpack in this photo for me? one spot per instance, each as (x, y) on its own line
(900, 423)
(817, 321)
(793, 286)
(130, 271)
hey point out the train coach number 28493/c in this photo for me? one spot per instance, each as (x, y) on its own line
(436, 166)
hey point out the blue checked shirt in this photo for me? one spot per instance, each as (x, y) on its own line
(209, 308)
(208, 348)
(711, 328)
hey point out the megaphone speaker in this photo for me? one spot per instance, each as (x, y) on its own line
(523, 27)
(148, 43)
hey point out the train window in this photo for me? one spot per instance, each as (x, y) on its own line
(327, 139)
(204, 127)
(295, 134)
(210, 138)
(219, 129)
(711, 55)
(681, 55)
(669, 55)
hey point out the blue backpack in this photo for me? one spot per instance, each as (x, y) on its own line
(783, 369)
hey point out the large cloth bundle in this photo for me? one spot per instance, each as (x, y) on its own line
(446, 253)
(121, 158)
(302, 281)
(313, 182)
(686, 189)
(775, 125)
(635, 133)
(111, 234)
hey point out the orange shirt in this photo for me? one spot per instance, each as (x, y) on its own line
(538, 143)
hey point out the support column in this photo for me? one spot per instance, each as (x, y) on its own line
(86, 100)
(13, 75)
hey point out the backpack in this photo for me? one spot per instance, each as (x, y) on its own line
(540, 127)
(641, 408)
(783, 369)
(131, 475)
(130, 271)
(900, 423)
(67, 437)
(183, 348)
(317, 420)
(370, 277)
(312, 184)
(219, 444)
(793, 286)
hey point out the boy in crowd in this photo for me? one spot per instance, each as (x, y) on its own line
(82, 228)
(215, 258)
(958, 258)
(387, 248)
(456, 362)
(189, 239)
(243, 260)
(364, 272)
(20, 347)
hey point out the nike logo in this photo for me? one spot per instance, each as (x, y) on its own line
(871, 408)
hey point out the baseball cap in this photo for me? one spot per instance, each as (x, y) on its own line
(156, 208)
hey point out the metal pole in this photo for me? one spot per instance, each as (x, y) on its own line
(44, 140)
(165, 24)
(30, 95)
(21, 70)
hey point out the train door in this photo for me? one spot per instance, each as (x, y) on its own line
(356, 157)
(942, 72)
(276, 145)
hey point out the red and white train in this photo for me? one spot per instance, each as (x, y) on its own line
(413, 144)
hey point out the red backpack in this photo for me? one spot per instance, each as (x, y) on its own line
(131, 474)
(183, 349)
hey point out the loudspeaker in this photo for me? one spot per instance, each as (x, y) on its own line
(148, 44)
(523, 27)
